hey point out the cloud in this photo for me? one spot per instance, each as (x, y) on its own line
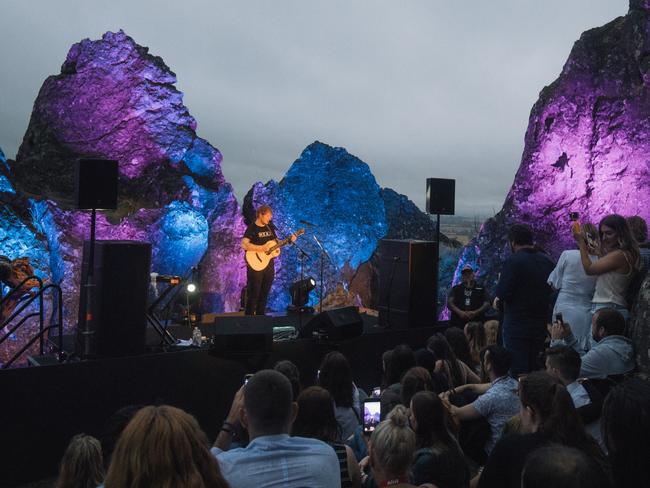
(415, 88)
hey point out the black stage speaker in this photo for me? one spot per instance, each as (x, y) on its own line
(441, 196)
(243, 333)
(408, 278)
(96, 184)
(121, 277)
(335, 325)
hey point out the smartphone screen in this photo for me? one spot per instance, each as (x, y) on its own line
(371, 414)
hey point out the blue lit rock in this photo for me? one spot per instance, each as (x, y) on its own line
(337, 192)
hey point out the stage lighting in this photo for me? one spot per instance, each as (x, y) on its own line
(300, 291)
(191, 287)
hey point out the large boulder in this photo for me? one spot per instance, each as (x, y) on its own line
(336, 191)
(586, 147)
(114, 100)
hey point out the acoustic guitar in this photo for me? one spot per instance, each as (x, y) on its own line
(259, 260)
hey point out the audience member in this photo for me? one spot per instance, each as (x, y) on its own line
(316, 420)
(558, 466)
(401, 360)
(564, 363)
(467, 300)
(619, 261)
(336, 377)
(626, 430)
(525, 295)
(477, 340)
(491, 332)
(639, 229)
(391, 450)
(82, 465)
(272, 458)
(576, 288)
(163, 446)
(456, 371)
(439, 458)
(290, 370)
(415, 380)
(547, 415)
(611, 353)
(115, 424)
(498, 399)
(460, 345)
(427, 360)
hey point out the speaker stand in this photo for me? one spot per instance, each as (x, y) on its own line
(87, 332)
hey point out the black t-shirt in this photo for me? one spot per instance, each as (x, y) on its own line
(467, 298)
(260, 235)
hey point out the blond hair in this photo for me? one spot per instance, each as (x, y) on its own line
(163, 447)
(82, 464)
(393, 442)
(590, 233)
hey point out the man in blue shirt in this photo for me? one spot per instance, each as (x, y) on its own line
(611, 353)
(525, 295)
(272, 458)
(498, 400)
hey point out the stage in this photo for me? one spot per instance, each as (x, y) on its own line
(49, 404)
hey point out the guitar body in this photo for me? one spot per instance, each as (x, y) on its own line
(259, 260)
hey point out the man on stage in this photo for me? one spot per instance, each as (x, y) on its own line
(260, 236)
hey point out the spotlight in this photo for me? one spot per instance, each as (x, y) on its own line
(191, 287)
(299, 292)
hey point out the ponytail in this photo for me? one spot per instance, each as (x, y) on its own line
(559, 419)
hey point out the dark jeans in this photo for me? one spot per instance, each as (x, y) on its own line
(525, 353)
(258, 288)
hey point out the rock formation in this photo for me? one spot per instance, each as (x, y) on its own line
(586, 147)
(114, 100)
(337, 192)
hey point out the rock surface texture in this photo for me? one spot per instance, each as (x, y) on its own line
(114, 100)
(586, 147)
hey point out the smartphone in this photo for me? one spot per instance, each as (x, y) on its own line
(247, 377)
(371, 414)
(558, 318)
(574, 216)
(376, 392)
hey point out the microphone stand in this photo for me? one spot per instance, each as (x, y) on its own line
(301, 257)
(323, 253)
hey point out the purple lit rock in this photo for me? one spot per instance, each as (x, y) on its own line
(586, 147)
(114, 100)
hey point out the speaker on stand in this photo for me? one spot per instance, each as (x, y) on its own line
(95, 188)
(441, 200)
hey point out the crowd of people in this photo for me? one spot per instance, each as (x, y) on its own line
(528, 400)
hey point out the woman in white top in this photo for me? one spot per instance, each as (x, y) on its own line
(620, 259)
(576, 288)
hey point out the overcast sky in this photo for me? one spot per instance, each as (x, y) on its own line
(417, 89)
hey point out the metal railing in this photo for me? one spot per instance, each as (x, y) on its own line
(26, 301)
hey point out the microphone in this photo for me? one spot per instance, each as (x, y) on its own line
(307, 223)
